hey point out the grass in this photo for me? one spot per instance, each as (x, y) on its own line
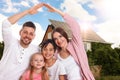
(109, 78)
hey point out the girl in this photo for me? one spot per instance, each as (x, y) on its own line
(56, 70)
(37, 70)
(71, 52)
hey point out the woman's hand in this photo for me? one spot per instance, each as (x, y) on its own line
(52, 9)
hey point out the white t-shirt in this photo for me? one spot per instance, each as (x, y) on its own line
(72, 69)
(15, 58)
(55, 70)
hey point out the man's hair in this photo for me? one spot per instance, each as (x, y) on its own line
(29, 24)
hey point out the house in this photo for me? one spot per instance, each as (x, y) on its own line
(87, 36)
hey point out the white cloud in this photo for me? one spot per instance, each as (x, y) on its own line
(108, 8)
(39, 34)
(2, 17)
(8, 7)
(12, 7)
(24, 3)
(82, 1)
(108, 30)
(74, 8)
(35, 2)
(27, 3)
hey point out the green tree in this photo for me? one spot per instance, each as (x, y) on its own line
(1, 49)
(103, 54)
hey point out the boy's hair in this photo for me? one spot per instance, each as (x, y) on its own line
(29, 24)
(46, 42)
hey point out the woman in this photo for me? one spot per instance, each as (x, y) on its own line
(71, 52)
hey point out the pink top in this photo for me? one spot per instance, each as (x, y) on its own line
(76, 48)
(26, 76)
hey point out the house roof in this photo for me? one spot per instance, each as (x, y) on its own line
(90, 36)
(87, 36)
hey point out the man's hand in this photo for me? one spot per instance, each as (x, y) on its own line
(35, 8)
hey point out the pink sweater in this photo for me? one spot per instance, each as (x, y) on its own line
(76, 48)
(26, 76)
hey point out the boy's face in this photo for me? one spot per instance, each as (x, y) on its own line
(48, 51)
(27, 34)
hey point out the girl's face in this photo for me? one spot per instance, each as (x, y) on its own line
(37, 61)
(60, 40)
(48, 51)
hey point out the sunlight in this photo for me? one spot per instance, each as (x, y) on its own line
(111, 8)
(85, 26)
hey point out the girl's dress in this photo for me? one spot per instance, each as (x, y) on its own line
(26, 76)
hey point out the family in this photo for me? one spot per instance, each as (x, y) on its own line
(23, 61)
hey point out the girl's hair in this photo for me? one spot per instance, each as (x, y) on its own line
(62, 32)
(46, 42)
(44, 72)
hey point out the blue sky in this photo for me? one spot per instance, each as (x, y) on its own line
(100, 15)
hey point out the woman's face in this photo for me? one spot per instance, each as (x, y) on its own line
(60, 40)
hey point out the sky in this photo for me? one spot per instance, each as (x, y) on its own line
(103, 16)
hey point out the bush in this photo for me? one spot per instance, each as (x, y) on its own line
(1, 49)
(108, 58)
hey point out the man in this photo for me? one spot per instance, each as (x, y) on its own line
(16, 53)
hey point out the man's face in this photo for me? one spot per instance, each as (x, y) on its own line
(27, 34)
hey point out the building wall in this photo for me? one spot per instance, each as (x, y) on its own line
(87, 46)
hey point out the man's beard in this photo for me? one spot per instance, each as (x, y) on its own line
(25, 43)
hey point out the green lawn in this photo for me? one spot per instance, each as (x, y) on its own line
(109, 78)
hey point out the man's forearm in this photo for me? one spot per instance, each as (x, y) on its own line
(13, 19)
